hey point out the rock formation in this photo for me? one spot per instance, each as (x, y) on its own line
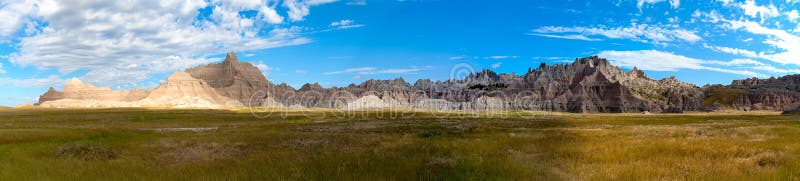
(180, 90)
(233, 79)
(588, 84)
(755, 94)
(794, 109)
(75, 89)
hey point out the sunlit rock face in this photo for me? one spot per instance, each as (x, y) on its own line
(239, 81)
(75, 89)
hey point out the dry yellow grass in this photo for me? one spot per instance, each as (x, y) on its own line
(322, 144)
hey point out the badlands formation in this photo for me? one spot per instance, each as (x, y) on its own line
(589, 84)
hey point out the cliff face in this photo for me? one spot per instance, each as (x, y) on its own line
(233, 79)
(756, 94)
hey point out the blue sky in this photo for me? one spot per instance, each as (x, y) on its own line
(130, 44)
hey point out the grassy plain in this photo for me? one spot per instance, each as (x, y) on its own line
(162, 144)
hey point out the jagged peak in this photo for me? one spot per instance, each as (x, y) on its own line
(180, 76)
(231, 57)
(308, 86)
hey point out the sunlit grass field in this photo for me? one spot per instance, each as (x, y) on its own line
(161, 144)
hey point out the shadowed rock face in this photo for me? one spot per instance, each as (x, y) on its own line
(588, 84)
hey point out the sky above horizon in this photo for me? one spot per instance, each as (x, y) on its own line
(138, 43)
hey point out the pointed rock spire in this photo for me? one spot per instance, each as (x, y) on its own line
(231, 57)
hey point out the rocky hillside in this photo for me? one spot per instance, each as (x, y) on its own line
(755, 94)
(588, 84)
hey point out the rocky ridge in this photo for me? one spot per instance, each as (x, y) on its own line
(755, 94)
(588, 84)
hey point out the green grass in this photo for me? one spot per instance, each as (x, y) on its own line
(125, 144)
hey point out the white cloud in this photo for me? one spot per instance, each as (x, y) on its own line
(52, 80)
(298, 9)
(497, 65)
(738, 62)
(672, 3)
(664, 61)
(373, 70)
(572, 37)
(725, 2)
(1, 69)
(773, 69)
(789, 43)
(357, 3)
(123, 42)
(300, 71)
(457, 57)
(270, 15)
(793, 15)
(265, 69)
(751, 9)
(636, 32)
(345, 24)
(500, 57)
(735, 51)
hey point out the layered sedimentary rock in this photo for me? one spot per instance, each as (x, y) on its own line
(75, 89)
(233, 79)
(589, 84)
(180, 90)
(755, 94)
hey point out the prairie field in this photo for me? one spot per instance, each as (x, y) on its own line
(169, 144)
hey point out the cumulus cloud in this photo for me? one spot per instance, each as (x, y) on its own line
(792, 15)
(373, 70)
(636, 32)
(120, 42)
(753, 10)
(664, 61)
